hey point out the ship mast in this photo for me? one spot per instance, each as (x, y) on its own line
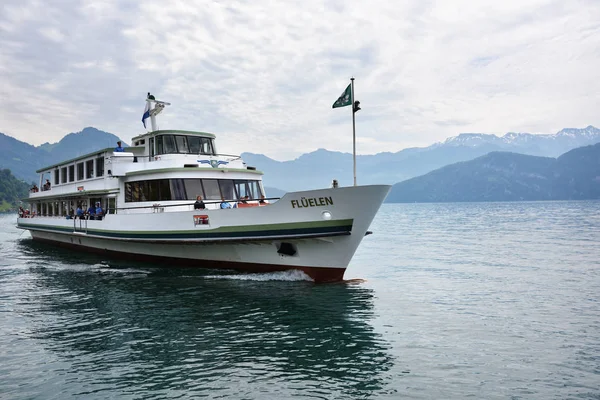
(153, 108)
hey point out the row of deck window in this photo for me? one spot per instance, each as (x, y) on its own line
(79, 171)
(61, 208)
(189, 189)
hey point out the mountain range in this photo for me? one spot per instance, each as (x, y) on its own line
(318, 168)
(23, 159)
(502, 176)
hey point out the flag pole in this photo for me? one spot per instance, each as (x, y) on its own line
(353, 132)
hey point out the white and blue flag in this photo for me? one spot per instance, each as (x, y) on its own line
(146, 113)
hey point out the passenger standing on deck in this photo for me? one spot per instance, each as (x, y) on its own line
(91, 211)
(119, 148)
(99, 211)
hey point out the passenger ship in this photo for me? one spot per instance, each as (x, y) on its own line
(148, 192)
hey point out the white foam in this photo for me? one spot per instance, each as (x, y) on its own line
(290, 276)
(123, 271)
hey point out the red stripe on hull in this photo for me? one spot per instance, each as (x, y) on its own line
(318, 274)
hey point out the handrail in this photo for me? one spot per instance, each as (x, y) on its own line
(152, 157)
(189, 204)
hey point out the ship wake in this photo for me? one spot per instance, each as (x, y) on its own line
(287, 276)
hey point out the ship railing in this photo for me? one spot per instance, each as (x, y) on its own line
(156, 157)
(158, 208)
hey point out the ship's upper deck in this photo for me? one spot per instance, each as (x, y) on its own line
(154, 155)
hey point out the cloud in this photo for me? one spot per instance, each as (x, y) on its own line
(263, 75)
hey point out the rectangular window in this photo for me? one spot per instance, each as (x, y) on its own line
(71, 173)
(153, 190)
(159, 145)
(255, 192)
(135, 192)
(151, 145)
(99, 166)
(112, 205)
(169, 144)
(227, 189)
(56, 176)
(206, 146)
(63, 175)
(144, 195)
(128, 192)
(89, 169)
(164, 189)
(242, 188)
(195, 144)
(177, 189)
(248, 188)
(211, 189)
(80, 171)
(182, 145)
(193, 188)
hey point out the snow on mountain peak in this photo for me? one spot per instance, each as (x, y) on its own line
(589, 133)
(470, 139)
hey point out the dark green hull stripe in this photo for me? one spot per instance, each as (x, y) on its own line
(201, 234)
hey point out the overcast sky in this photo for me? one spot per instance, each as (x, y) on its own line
(262, 74)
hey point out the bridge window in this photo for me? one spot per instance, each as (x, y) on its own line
(170, 144)
(71, 173)
(182, 144)
(200, 145)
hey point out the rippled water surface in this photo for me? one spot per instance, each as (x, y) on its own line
(494, 301)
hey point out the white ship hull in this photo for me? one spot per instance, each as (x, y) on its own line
(314, 231)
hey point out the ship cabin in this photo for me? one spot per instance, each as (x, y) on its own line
(163, 171)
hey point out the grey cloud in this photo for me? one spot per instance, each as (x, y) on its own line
(271, 70)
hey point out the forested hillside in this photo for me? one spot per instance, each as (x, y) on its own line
(11, 191)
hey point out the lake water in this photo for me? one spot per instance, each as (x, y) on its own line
(449, 301)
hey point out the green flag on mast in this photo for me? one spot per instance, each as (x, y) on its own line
(345, 99)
